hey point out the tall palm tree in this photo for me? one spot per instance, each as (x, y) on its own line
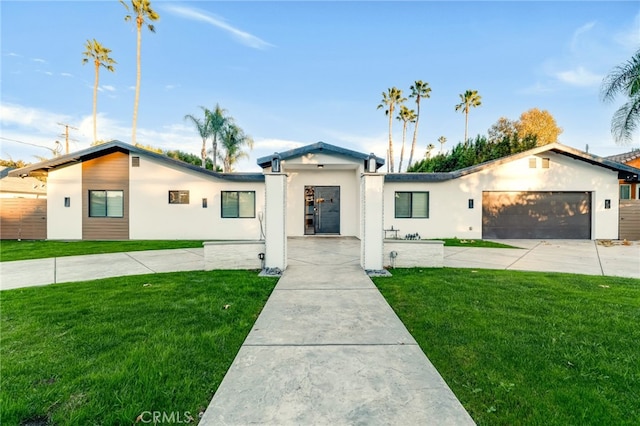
(390, 99)
(217, 121)
(469, 99)
(442, 141)
(430, 148)
(143, 14)
(204, 130)
(624, 79)
(234, 141)
(405, 115)
(419, 90)
(100, 56)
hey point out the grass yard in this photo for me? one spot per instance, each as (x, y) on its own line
(525, 347)
(105, 351)
(29, 249)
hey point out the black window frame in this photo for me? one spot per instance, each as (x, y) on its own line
(222, 209)
(179, 195)
(411, 193)
(91, 213)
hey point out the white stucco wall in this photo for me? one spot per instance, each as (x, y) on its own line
(152, 217)
(64, 223)
(449, 215)
(347, 180)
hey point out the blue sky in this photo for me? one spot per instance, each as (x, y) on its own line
(293, 73)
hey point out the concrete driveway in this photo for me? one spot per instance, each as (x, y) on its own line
(571, 256)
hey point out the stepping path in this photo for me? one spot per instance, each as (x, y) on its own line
(328, 349)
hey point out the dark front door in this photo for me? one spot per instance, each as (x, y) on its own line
(321, 210)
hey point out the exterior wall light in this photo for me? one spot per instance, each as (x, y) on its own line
(275, 163)
(607, 204)
(371, 163)
(470, 203)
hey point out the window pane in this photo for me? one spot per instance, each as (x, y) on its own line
(625, 192)
(115, 204)
(247, 204)
(97, 203)
(420, 204)
(403, 204)
(229, 204)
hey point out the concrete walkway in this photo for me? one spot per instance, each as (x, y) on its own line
(572, 256)
(328, 349)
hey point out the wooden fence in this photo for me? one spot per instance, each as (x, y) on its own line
(23, 218)
(629, 227)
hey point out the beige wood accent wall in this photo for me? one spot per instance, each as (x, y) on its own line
(23, 218)
(109, 172)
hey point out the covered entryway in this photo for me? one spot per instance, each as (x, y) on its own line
(536, 214)
(321, 210)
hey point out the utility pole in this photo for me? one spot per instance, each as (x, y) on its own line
(66, 135)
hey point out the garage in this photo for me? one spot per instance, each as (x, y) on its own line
(536, 215)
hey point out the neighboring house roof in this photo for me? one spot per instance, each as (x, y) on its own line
(625, 157)
(319, 147)
(16, 185)
(624, 171)
(117, 146)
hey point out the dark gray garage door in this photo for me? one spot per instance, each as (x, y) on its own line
(536, 215)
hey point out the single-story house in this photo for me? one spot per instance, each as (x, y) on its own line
(629, 206)
(118, 191)
(629, 189)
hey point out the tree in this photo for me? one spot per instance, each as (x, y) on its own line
(390, 99)
(430, 148)
(419, 90)
(142, 12)
(442, 141)
(234, 141)
(100, 56)
(216, 121)
(624, 79)
(188, 158)
(204, 130)
(501, 129)
(469, 99)
(540, 124)
(405, 115)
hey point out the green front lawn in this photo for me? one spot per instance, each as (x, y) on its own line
(28, 249)
(106, 351)
(525, 347)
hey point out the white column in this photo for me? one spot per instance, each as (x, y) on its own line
(371, 221)
(275, 220)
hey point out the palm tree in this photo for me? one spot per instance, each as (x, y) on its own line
(442, 141)
(430, 148)
(624, 79)
(390, 99)
(204, 130)
(405, 115)
(100, 56)
(216, 121)
(469, 99)
(143, 13)
(234, 140)
(419, 90)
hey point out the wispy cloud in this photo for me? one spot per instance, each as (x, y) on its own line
(42, 61)
(66, 74)
(107, 88)
(579, 77)
(629, 37)
(577, 34)
(199, 15)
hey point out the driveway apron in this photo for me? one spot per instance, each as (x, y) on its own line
(328, 349)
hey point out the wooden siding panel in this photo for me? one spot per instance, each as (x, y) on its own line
(629, 220)
(23, 218)
(109, 172)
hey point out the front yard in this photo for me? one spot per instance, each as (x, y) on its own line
(526, 347)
